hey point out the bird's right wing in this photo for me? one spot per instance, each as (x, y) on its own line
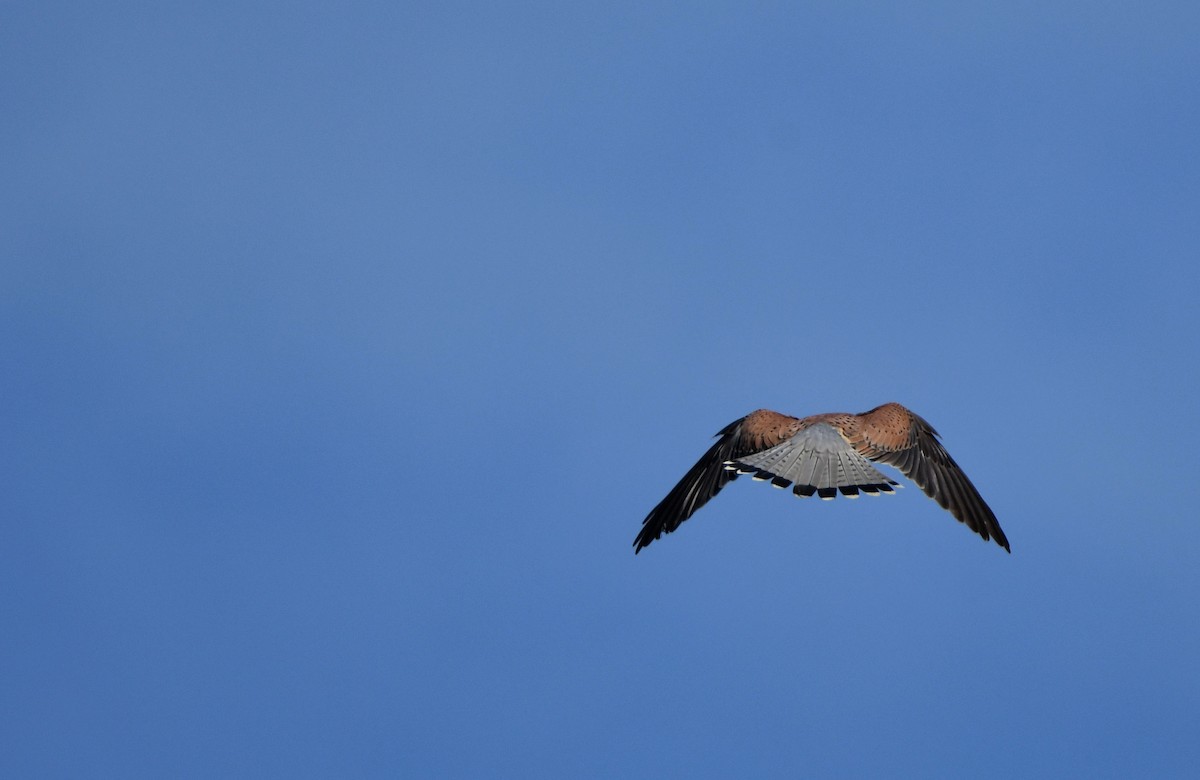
(926, 462)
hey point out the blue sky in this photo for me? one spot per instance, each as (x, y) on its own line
(344, 350)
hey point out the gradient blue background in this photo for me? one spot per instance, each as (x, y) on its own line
(344, 350)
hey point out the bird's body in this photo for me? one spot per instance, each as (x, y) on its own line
(825, 454)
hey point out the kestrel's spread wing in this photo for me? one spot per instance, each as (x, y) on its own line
(826, 454)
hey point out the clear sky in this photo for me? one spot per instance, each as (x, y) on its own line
(343, 349)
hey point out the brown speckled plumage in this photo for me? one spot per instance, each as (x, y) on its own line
(825, 454)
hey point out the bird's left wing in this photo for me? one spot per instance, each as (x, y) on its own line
(754, 432)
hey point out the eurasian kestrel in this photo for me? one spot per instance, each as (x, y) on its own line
(824, 454)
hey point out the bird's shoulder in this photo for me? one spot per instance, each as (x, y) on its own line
(889, 428)
(764, 428)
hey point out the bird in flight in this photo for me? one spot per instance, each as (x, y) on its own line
(824, 454)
